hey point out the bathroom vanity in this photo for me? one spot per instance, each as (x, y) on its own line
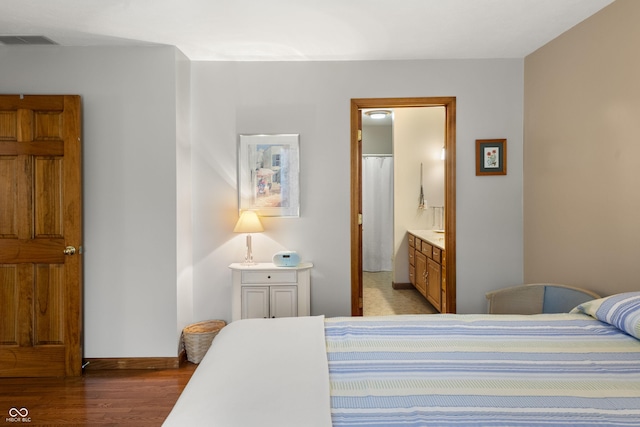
(427, 261)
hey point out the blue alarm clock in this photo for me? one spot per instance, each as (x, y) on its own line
(286, 259)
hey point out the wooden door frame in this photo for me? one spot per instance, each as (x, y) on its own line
(449, 103)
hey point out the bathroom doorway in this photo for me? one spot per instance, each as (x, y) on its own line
(357, 108)
(402, 160)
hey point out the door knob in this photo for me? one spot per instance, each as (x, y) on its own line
(69, 250)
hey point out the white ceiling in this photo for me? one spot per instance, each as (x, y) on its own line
(308, 30)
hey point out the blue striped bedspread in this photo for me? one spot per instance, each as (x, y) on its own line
(481, 370)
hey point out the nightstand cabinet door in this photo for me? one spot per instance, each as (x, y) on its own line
(255, 302)
(283, 301)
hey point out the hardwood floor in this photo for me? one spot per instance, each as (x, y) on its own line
(98, 398)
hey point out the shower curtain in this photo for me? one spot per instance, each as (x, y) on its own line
(377, 213)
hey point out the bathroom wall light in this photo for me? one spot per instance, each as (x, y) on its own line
(378, 114)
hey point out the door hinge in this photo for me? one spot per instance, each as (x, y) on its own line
(360, 302)
(359, 134)
(359, 219)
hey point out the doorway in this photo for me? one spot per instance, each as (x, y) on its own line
(357, 105)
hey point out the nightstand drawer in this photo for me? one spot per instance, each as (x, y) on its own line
(269, 277)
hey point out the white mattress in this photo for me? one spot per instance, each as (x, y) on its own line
(291, 390)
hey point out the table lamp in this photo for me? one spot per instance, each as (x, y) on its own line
(249, 222)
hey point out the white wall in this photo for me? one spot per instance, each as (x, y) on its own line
(130, 196)
(138, 289)
(184, 226)
(312, 99)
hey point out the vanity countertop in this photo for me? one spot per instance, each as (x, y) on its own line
(433, 237)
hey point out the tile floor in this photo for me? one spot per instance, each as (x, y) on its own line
(380, 299)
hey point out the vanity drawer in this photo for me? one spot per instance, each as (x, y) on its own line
(412, 256)
(269, 277)
(427, 249)
(412, 241)
(436, 254)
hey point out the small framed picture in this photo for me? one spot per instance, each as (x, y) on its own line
(491, 156)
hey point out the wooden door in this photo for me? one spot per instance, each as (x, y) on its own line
(412, 262)
(40, 220)
(434, 287)
(421, 273)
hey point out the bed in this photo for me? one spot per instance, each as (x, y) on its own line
(575, 369)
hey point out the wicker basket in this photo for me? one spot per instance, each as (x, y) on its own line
(198, 337)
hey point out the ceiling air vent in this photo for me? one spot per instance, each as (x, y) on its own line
(26, 40)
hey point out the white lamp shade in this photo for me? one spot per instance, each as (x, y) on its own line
(249, 222)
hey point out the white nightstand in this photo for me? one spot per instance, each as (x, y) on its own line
(264, 290)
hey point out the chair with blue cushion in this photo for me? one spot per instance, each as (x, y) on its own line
(537, 298)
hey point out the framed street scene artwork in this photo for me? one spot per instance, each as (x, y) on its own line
(268, 174)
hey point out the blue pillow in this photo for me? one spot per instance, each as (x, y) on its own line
(620, 310)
